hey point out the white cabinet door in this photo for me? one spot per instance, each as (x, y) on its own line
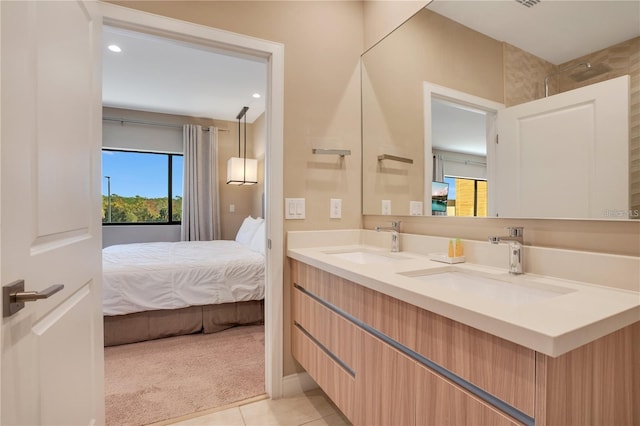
(52, 351)
(565, 156)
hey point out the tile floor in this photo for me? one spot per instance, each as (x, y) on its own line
(312, 408)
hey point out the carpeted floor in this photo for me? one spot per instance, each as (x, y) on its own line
(161, 379)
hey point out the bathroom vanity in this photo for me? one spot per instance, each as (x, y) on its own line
(397, 339)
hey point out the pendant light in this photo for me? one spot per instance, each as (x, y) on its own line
(242, 170)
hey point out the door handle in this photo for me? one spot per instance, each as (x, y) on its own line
(14, 296)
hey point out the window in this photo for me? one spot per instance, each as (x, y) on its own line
(467, 197)
(137, 187)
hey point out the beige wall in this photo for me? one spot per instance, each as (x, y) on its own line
(227, 147)
(382, 17)
(616, 237)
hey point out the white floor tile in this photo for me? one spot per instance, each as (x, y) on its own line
(330, 420)
(287, 411)
(228, 417)
(310, 409)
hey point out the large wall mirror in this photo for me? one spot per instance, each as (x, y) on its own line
(499, 109)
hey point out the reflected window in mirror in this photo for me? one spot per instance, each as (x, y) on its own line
(467, 197)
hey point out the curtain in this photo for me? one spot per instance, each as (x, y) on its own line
(201, 198)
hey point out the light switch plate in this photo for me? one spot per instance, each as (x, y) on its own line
(386, 207)
(294, 208)
(335, 208)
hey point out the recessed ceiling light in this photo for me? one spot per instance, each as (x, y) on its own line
(114, 48)
(256, 95)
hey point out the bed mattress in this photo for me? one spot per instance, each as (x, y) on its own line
(151, 276)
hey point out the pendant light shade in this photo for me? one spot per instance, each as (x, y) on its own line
(242, 170)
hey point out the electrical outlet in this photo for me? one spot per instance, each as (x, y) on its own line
(415, 208)
(335, 208)
(232, 208)
(386, 207)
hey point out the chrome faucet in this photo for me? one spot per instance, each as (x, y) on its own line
(395, 234)
(516, 251)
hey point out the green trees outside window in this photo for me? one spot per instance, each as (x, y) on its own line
(137, 187)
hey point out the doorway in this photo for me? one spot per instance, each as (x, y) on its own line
(272, 53)
(459, 134)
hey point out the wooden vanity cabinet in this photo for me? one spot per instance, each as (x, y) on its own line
(373, 382)
(386, 362)
(595, 384)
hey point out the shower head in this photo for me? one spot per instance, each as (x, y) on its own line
(579, 76)
(591, 72)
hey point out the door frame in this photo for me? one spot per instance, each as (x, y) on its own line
(462, 100)
(273, 55)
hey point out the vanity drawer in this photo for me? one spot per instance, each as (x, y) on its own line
(332, 331)
(335, 381)
(502, 368)
(385, 384)
(442, 403)
(392, 317)
(341, 293)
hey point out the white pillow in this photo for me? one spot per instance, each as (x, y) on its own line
(247, 229)
(258, 241)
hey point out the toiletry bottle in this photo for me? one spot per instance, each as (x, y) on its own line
(451, 253)
(459, 249)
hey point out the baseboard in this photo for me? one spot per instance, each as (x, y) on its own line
(295, 384)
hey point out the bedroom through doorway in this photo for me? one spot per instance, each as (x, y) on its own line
(150, 377)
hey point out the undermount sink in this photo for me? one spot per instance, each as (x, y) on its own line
(364, 257)
(511, 290)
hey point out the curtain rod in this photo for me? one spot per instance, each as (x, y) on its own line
(462, 161)
(152, 123)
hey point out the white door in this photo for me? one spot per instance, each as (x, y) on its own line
(565, 156)
(52, 352)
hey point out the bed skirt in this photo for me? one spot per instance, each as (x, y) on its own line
(141, 326)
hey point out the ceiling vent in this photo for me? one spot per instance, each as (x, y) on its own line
(528, 3)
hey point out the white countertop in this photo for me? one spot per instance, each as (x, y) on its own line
(578, 314)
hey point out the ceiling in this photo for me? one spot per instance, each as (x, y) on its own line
(167, 76)
(458, 129)
(555, 30)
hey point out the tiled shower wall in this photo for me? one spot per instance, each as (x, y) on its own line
(524, 81)
(524, 76)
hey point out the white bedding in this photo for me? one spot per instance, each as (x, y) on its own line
(148, 276)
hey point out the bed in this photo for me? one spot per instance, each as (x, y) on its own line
(155, 290)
